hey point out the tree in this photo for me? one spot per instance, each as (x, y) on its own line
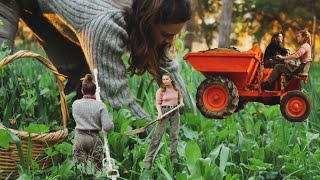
(205, 12)
(254, 18)
(225, 23)
(190, 27)
(285, 15)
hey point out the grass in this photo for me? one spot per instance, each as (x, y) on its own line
(255, 143)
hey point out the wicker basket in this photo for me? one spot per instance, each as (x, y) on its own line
(9, 157)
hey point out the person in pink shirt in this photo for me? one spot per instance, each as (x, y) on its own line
(303, 54)
(168, 96)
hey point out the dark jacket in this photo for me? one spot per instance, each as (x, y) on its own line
(273, 49)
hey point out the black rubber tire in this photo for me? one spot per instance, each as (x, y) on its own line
(231, 102)
(288, 98)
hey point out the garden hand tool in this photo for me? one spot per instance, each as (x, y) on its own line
(140, 130)
(107, 163)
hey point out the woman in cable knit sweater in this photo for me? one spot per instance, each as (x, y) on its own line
(168, 96)
(91, 116)
(79, 35)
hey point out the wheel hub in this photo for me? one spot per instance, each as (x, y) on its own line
(215, 98)
(296, 107)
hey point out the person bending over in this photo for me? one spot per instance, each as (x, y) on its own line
(81, 35)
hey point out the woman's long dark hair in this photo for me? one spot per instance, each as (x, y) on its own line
(275, 36)
(146, 53)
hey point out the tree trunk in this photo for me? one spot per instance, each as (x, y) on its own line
(225, 23)
(203, 23)
(313, 38)
(189, 39)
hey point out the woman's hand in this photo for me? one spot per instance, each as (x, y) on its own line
(181, 104)
(288, 52)
(280, 57)
(159, 116)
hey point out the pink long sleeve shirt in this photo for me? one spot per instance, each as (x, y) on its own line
(167, 98)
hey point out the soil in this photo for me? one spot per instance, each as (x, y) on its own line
(231, 49)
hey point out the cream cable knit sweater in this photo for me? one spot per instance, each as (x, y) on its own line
(99, 27)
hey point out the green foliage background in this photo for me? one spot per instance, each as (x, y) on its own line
(255, 143)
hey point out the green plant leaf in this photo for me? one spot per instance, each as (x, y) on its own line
(190, 134)
(215, 153)
(184, 34)
(37, 128)
(18, 143)
(258, 165)
(71, 95)
(193, 153)
(312, 136)
(181, 176)
(50, 152)
(44, 91)
(205, 167)
(165, 172)
(181, 148)
(64, 148)
(29, 152)
(65, 169)
(178, 44)
(6, 139)
(181, 54)
(224, 154)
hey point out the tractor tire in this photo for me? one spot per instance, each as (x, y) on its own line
(295, 106)
(217, 97)
(241, 105)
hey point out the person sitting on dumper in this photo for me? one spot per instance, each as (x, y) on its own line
(273, 49)
(302, 55)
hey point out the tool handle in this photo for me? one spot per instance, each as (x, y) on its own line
(164, 115)
(95, 73)
(110, 161)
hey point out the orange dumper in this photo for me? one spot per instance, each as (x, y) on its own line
(233, 79)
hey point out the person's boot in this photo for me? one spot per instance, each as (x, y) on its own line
(174, 160)
(266, 86)
(148, 165)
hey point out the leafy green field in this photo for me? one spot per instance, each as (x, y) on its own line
(255, 143)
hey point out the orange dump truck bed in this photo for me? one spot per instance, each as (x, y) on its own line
(240, 67)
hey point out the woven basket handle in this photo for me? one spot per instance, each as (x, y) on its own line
(59, 77)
